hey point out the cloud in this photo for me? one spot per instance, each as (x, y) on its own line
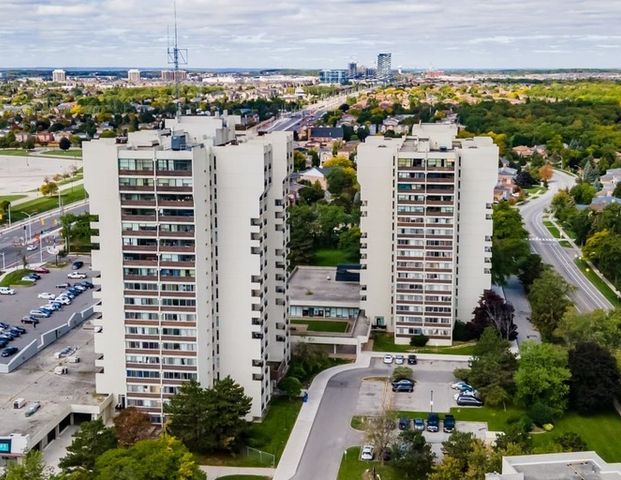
(313, 34)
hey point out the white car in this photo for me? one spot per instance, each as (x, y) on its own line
(7, 291)
(399, 360)
(460, 385)
(47, 296)
(367, 452)
(31, 247)
(76, 275)
(62, 299)
(466, 393)
(388, 359)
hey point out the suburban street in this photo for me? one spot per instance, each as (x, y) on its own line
(586, 297)
(13, 239)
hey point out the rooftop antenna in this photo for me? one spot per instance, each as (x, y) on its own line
(177, 56)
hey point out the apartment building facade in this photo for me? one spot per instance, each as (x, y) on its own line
(426, 229)
(191, 237)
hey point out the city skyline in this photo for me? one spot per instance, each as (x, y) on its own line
(241, 34)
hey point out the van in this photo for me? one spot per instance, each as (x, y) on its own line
(60, 370)
(19, 403)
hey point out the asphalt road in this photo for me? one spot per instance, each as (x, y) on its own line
(586, 297)
(13, 239)
(14, 307)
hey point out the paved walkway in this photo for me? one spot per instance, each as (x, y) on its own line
(217, 472)
(32, 195)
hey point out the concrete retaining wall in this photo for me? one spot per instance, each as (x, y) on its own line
(46, 338)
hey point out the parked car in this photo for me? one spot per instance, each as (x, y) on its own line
(31, 320)
(468, 401)
(466, 393)
(16, 332)
(404, 423)
(31, 247)
(367, 452)
(46, 296)
(54, 306)
(3, 343)
(4, 325)
(403, 387)
(461, 385)
(41, 270)
(399, 360)
(87, 284)
(412, 360)
(65, 352)
(38, 314)
(76, 275)
(63, 285)
(449, 423)
(388, 359)
(63, 299)
(77, 265)
(46, 309)
(35, 275)
(9, 351)
(7, 291)
(419, 424)
(32, 409)
(19, 329)
(433, 422)
(80, 288)
(28, 278)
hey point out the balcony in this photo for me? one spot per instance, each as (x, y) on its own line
(140, 248)
(129, 262)
(166, 234)
(174, 173)
(176, 249)
(138, 218)
(173, 189)
(165, 278)
(139, 233)
(176, 218)
(137, 203)
(177, 264)
(176, 203)
(147, 172)
(136, 188)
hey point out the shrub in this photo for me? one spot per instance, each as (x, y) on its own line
(419, 340)
(399, 373)
(461, 332)
(525, 423)
(291, 386)
(462, 374)
(541, 414)
(571, 442)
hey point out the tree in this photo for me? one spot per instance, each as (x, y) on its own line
(492, 310)
(542, 376)
(609, 219)
(510, 245)
(412, 456)
(524, 179)
(165, 458)
(311, 193)
(546, 172)
(583, 193)
(349, 243)
(291, 386)
(380, 431)
(530, 270)
(599, 326)
(400, 373)
(48, 188)
(549, 302)
(301, 219)
(581, 223)
(617, 191)
(604, 250)
(209, 419)
(314, 158)
(31, 468)
(419, 340)
(92, 440)
(299, 161)
(595, 379)
(563, 205)
(341, 179)
(571, 442)
(131, 426)
(64, 143)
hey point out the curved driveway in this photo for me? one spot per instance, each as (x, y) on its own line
(586, 297)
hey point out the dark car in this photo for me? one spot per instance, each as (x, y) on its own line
(86, 283)
(77, 265)
(412, 360)
(15, 331)
(4, 325)
(34, 275)
(63, 285)
(403, 386)
(19, 329)
(7, 352)
(3, 343)
(433, 422)
(468, 401)
(31, 320)
(449, 423)
(404, 423)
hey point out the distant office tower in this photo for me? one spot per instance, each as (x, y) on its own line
(334, 76)
(133, 76)
(170, 75)
(426, 229)
(59, 76)
(353, 69)
(384, 71)
(192, 235)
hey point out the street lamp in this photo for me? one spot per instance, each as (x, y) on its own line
(3, 262)
(29, 226)
(431, 403)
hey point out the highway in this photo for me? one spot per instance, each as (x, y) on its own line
(586, 297)
(13, 239)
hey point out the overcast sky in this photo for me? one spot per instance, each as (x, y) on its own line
(313, 33)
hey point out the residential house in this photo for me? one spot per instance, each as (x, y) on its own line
(609, 181)
(599, 203)
(506, 184)
(325, 134)
(23, 137)
(44, 137)
(316, 174)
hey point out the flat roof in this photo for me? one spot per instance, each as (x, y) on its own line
(35, 380)
(560, 466)
(312, 286)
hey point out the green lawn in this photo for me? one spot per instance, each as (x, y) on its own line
(352, 468)
(383, 342)
(18, 152)
(552, 229)
(40, 205)
(598, 282)
(64, 153)
(322, 325)
(10, 198)
(565, 243)
(75, 178)
(270, 435)
(327, 257)
(15, 278)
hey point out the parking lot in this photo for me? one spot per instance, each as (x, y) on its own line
(14, 307)
(435, 376)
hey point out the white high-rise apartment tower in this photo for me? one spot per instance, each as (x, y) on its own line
(59, 76)
(426, 229)
(384, 67)
(133, 75)
(191, 236)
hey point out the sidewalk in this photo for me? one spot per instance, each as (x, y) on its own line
(294, 449)
(217, 472)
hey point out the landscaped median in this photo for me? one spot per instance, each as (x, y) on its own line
(333, 326)
(597, 281)
(15, 278)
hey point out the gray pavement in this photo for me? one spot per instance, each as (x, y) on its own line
(14, 307)
(516, 296)
(586, 297)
